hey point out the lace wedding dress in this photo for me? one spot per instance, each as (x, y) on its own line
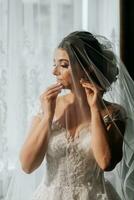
(72, 172)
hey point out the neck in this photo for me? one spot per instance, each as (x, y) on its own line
(79, 101)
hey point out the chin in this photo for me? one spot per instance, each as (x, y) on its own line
(66, 87)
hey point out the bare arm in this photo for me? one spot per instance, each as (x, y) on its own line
(106, 141)
(34, 148)
(100, 143)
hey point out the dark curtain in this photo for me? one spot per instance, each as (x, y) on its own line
(127, 34)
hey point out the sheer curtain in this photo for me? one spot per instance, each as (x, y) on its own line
(29, 32)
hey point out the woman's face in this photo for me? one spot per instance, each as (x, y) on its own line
(62, 68)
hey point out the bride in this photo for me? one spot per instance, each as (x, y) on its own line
(79, 134)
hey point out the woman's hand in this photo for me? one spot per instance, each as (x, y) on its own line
(48, 100)
(93, 93)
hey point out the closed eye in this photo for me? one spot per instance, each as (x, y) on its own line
(64, 65)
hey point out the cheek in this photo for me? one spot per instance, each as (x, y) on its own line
(67, 77)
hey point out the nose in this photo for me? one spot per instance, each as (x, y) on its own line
(56, 71)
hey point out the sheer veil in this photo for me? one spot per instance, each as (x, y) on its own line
(121, 92)
(99, 66)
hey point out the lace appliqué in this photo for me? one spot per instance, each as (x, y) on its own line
(72, 172)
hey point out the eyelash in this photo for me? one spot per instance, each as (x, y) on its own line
(65, 65)
(62, 65)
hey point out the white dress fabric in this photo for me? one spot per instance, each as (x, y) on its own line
(72, 172)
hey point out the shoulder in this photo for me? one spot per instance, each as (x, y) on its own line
(116, 116)
(115, 111)
(115, 120)
(119, 112)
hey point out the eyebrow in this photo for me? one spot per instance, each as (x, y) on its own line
(62, 59)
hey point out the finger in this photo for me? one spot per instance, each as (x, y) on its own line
(53, 94)
(54, 90)
(51, 87)
(87, 85)
(85, 81)
(92, 86)
(89, 91)
(54, 86)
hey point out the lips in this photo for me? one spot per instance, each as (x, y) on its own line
(60, 81)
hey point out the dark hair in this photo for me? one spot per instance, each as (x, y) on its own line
(84, 43)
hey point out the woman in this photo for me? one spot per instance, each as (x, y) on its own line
(80, 134)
